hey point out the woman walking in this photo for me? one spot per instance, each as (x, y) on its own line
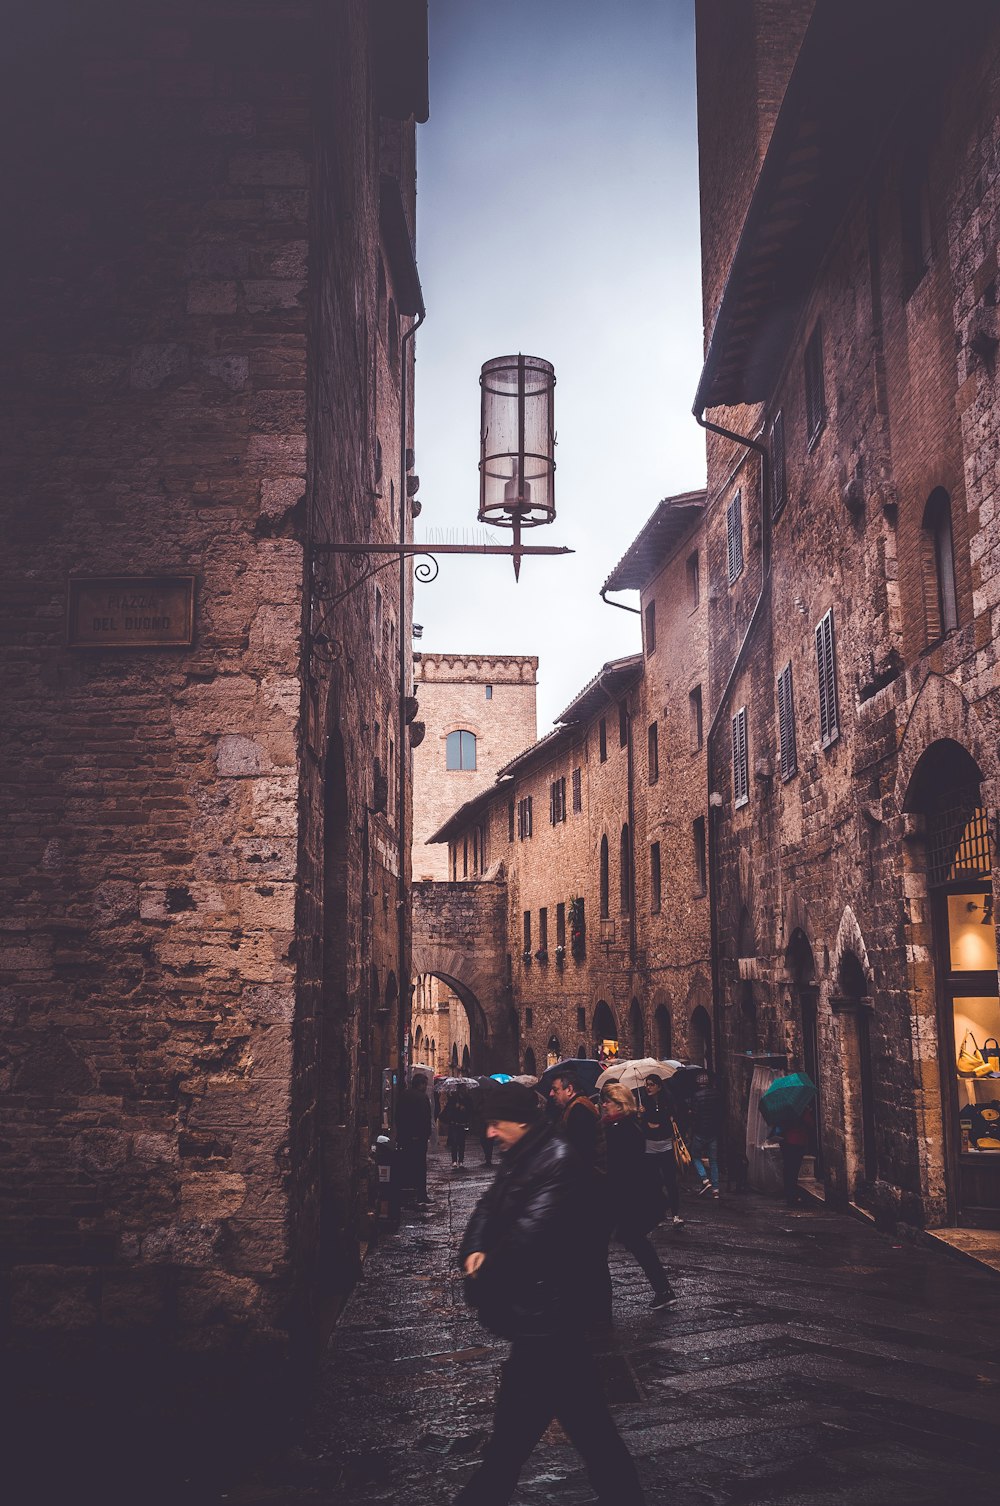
(456, 1116)
(657, 1121)
(635, 1197)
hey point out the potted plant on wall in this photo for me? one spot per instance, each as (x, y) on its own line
(560, 955)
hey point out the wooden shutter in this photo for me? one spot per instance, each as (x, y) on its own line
(786, 723)
(826, 667)
(734, 537)
(741, 781)
(552, 803)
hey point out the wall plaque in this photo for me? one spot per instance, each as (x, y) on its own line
(130, 611)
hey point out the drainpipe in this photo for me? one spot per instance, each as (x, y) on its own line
(714, 813)
(402, 730)
(619, 604)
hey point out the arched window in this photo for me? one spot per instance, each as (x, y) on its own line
(937, 559)
(418, 1041)
(604, 878)
(700, 1037)
(636, 1030)
(460, 750)
(664, 1042)
(529, 1063)
(623, 877)
(552, 1053)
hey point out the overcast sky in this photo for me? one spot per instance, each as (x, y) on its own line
(558, 216)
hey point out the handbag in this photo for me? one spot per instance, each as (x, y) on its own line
(681, 1153)
(970, 1063)
(991, 1053)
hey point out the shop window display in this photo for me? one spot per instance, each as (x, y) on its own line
(972, 986)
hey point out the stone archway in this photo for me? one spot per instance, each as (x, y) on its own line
(459, 937)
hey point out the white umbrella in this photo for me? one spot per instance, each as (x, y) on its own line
(632, 1074)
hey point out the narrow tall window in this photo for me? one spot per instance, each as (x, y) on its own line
(557, 801)
(693, 580)
(786, 723)
(734, 538)
(602, 738)
(577, 790)
(489, 692)
(465, 857)
(460, 750)
(815, 384)
(543, 929)
(695, 718)
(622, 724)
(651, 628)
(700, 864)
(527, 931)
(624, 886)
(510, 822)
(654, 877)
(378, 621)
(779, 479)
(826, 669)
(741, 770)
(524, 818)
(653, 752)
(937, 564)
(605, 886)
(560, 925)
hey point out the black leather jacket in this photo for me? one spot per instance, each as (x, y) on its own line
(530, 1224)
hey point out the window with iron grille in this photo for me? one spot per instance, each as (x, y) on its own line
(654, 876)
(741, 767)
(958, 840)
(786, 724)
(826, 668)
(653, 752)
(734, 538)
(651, 628)
(524, 817)
(814, 383)
(557, 801)
(577, 790)
(779, 480)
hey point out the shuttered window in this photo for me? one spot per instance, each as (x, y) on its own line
(741, 771)
(524, 818)
(779, 482)
(734, 537)
(653, 752)
(826, 667)
(786, 724)
(577, 790)
(557, 801)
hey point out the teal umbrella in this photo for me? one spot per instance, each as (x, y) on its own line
(500, 1077)
(787, 1098)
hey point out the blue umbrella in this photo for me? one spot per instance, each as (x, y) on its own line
(787, 1098)
(500, 1077)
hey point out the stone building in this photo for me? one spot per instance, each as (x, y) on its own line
(479, 711)
(207, 374)
(853, 574)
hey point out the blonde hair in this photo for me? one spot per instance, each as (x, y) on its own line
(615, 1093)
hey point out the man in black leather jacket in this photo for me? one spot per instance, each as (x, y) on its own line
(524, 1256)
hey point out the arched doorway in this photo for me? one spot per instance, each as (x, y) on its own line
(530, 1068)
(466, 1062)
(855, 1003)
(801, 968)
(605, 1031)
(581, 1052)
(955, 860)
(664, 1033)
(746, 949)
(552, 1052)
(700, 1036)
(636, 1030)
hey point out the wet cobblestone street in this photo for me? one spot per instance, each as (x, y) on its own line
(811, 1361)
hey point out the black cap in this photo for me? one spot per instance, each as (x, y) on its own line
(513, 1101)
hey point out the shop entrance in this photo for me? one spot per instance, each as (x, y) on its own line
(802, 971)
(959, 880)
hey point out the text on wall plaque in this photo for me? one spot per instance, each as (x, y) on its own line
(130, 611)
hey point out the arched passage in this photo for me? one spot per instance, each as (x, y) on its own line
(663, 1033)
(453, 1013)
(700, 1036)
(800, 965)
(530, 1068)
(636, 1030)
(605, 1030)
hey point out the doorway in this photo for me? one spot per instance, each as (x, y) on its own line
(801, 968)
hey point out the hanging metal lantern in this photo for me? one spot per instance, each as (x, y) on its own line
(517, 444)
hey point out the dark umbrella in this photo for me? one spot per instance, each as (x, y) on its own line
(787, 1097)
(586, 1072)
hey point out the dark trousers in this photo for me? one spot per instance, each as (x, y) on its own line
(413, 1168)
(666, 1165)
(791, 1164)
(639, 1245)
(456, 1143)
(546, 1378)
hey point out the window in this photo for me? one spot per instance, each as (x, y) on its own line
(460, 750)
(815, 390)
(581, 1018)
(741, 773)
(695, 718)
(653, 752)
(489, 692)
(475, 849)
(779, 479)
(543, 929)
(624, 874)
(557, 801)
(693, 580)
(605, 907)
(651, 628)
(560, 925)
(700, 865)
(937, 567)
(622, 724)
(524, 818)
(529, 1020)
(465, 857)
(510, 822)
(786, 724)
(654, 877)
(577, 790)
(527, 931)
(826, 666)
(602, 738)
(734, 538)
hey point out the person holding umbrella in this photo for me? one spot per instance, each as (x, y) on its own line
(656, 1119)
(635, 1196)
(788, 1108)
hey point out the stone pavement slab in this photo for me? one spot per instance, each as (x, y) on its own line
(811, 1361)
